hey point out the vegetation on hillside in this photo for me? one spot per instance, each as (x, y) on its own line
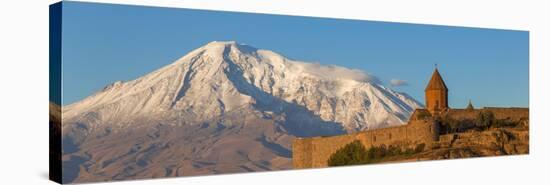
(352, 153)
(355, 153)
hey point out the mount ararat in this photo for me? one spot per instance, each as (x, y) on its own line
(222, 108)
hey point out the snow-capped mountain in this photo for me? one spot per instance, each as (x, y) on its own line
(223, 76)
(223, 94)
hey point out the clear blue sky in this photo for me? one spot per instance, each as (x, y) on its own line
(104, 43)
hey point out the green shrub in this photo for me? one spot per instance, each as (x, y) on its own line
(485, 119)
(379, 152)
(394, 150)
(408, 151)
(352, 153)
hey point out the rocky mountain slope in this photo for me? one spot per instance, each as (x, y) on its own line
(223, 108)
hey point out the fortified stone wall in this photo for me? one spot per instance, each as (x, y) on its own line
(509, 113)
(500, 113)
(315, 152)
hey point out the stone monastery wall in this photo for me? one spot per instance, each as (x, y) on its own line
(315, 152)
(515, 114)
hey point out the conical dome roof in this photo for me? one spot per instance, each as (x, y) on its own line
(436, 82)
(470, 106)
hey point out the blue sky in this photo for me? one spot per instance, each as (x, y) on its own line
(103, 43)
